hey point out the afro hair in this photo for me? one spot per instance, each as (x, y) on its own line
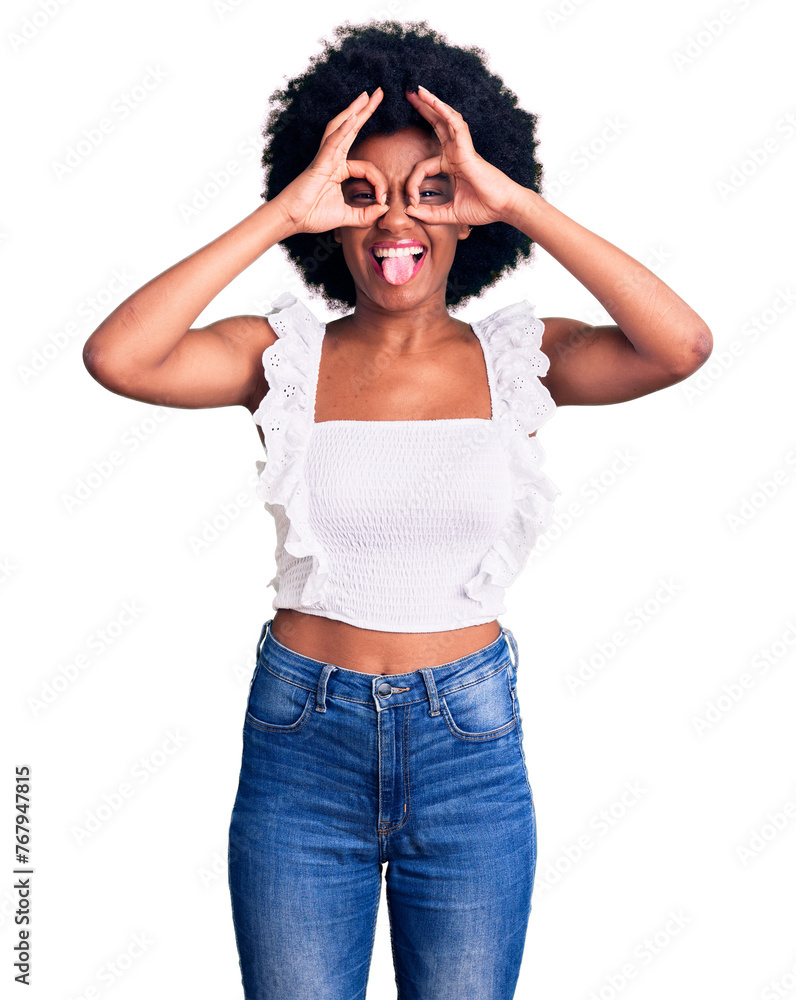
(398, 58)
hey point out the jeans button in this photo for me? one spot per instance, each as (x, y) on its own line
(385, 689)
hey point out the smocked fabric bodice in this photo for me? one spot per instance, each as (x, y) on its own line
(404, 525)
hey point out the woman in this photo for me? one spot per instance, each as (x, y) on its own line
(403, 471)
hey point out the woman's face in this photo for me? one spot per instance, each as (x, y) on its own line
(400, 279)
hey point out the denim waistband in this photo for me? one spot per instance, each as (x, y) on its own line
(387, 689)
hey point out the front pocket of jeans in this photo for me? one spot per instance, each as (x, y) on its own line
(277, 704)
(483, 710)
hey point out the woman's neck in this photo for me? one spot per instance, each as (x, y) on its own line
(416, 330)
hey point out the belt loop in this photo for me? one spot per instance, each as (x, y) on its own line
(431, 688)
(514, 652)
(257, 657)
(320, 695)
(260, 642)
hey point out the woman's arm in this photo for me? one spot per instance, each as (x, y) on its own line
(659, 340)
(145, 348)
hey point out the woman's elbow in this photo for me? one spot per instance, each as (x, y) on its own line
(699, 349)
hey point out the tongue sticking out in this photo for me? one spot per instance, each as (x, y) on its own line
(398, 270)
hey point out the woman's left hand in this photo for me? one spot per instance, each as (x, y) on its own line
(482, 193)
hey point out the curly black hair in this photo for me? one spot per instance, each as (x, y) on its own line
(399, 57)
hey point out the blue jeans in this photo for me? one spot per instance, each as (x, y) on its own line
(344, 772)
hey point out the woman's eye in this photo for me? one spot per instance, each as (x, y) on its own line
(364, 195)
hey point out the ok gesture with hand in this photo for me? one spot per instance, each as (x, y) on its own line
(314, 201)
(483, 193)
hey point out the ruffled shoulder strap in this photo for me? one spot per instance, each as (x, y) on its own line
(290, 363)
(286, 415)
(512, 339)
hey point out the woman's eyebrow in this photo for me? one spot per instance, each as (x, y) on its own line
(438, 177)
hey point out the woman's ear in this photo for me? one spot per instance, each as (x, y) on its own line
(337, 234)
(464, 231)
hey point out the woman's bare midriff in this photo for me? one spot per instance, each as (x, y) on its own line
(375, 652)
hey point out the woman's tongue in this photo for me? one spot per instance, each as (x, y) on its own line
(398, 270)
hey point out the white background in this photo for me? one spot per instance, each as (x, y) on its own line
(699, 840)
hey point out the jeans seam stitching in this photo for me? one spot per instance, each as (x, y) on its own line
(490, 734)
(478, 680)
(299, 724)
(405, 818)
(524, 767)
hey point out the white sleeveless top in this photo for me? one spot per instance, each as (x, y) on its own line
(404, 525)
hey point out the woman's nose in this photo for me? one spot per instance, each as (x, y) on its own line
(395, 218)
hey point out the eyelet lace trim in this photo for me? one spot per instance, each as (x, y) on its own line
(522, 405)
(286, 415)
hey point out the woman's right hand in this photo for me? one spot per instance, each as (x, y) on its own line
(314, 201)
